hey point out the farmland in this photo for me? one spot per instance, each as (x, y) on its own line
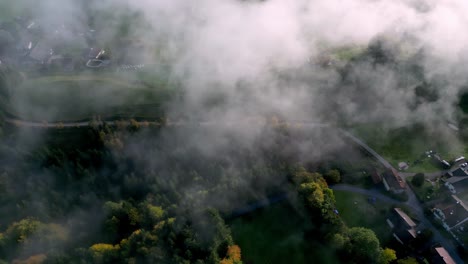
(75, 98)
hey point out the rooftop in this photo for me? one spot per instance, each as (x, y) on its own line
(443, 256)
(405, 217)
(394, 180)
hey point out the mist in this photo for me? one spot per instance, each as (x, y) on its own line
(242, 64)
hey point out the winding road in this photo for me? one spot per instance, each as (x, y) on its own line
(412, 202)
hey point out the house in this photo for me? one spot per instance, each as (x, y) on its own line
(393, 182)
(441, 256)
(452, 214)
(456, 179)
(404, 228)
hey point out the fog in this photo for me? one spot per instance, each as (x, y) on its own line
(241, 62)
(237, 50)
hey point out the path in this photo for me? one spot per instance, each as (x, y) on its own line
(412, 202)
(369, 192)
(416, 208)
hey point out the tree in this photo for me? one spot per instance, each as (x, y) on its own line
(363, 245)
(387, 255)
(333, 176)
(104, 253)
(418, 180)
(233, 255)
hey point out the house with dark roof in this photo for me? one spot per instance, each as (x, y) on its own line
(441, 256)
(393, 181)
(452, 214)
(404, 228)
(456, 179)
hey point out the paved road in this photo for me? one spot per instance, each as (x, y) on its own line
(369, 192)
(412, 202)
(367, 148)
(416, 207)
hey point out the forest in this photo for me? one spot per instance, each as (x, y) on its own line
(92, 195)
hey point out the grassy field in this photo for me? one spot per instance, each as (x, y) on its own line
(409, 144)
(73, 98)
(276, 235)
(427, 192)
(356, 211)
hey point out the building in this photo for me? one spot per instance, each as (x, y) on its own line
(403, 227)
(441, 256)
(456, 179)
(452, 214)
(393, 182)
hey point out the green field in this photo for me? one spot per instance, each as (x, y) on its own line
(356, 211)
(276, 235)
(427, 192)
(409, 144)
(74, 98)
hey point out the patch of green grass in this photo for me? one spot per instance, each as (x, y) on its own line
(426, 192)
(348, 53)
(276, 235)
(408, 144)
(356, 211)
(73, 98)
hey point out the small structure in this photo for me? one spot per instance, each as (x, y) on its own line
(393, 181)
(403, 166)
(439, 161)
(97, 58)
(441, 256)
(404, 228)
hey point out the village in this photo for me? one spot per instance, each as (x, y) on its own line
(430, 215)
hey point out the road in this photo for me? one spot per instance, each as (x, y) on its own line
(412, 202)
(367, 148)
(369, 192)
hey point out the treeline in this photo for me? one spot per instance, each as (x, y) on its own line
(352, 245)
(157, 195)
(126, 195)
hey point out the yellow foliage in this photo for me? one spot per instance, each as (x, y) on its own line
(226, 261)
(102, 247)
(234, 252)
(156, 212)
(233, 255)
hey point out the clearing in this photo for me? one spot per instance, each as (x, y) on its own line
(409, 144)
(77, 98)
(357, 211)
(276, 234)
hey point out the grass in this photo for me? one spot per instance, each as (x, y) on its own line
(426, 192)
(276, 235)
(74, 98)
(348, 53)
(356, 211)
(409, 144)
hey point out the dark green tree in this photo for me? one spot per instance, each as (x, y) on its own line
(418, 180)
(333, 176)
